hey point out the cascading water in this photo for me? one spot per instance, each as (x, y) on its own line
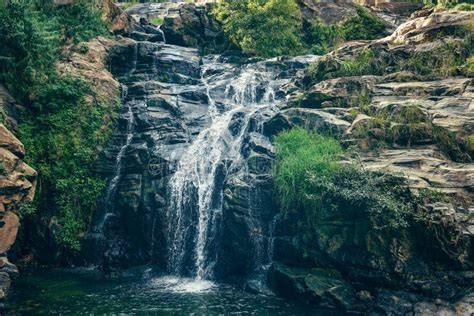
(119, 160)
(128, 133)
(194, 187)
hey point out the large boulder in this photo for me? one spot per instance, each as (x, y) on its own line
(192, 25)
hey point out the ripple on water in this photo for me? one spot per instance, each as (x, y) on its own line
(59, 292)
(182, 285)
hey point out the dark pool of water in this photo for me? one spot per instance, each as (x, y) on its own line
(81, 292)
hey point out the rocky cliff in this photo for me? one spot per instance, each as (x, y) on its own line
(406, 102)
(17, 187)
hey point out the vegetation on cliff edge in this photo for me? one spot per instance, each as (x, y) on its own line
(62, 125)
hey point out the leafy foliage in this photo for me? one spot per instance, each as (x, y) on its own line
(363, 26)
(262, 27)
(63, 134)
(270, 28)
(61, 126)
(311, 181)
(31, 39)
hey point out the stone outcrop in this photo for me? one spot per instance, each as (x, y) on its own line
(17, 188)
(119, 21)
(425, 269)
(89, 61)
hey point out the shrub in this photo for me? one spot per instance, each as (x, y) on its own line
(29, 47)
(63, 135)
(364, 26)
(263, 28)
(79, 22)
(31, 36)
(384, 198)
(321, 37)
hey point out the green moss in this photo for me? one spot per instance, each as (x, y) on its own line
(157, 20)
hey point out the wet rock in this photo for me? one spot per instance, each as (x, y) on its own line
(324, 287)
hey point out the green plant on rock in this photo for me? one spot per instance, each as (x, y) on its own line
(157, 20)
(444, 61)
(364, 26)
(264, 28)
(366, 62)
(409, 125)
(321, 37)
(462, 5)
(63, 134)
(311, 181)
(300, 154)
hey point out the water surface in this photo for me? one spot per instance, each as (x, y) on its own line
(81, 292)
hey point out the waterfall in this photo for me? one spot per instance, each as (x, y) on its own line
(194, 122)
(194, 187)
(112, 187)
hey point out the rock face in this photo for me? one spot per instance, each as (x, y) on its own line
(425, 269)
(17, 188)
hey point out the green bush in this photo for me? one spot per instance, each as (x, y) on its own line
(29, 47)
(310, 180)
(321, 37)
(31, 38)
(271, 28)
(364, 26)
(264, 28)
